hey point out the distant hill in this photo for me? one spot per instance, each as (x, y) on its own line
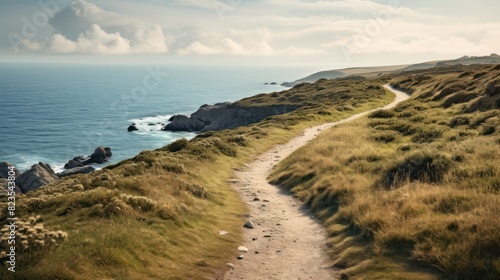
(377, 70)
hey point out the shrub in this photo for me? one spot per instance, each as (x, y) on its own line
(457, 121)
(488, 130)
(174, 167)
(177, 145)
(458, 98)
(31, 240)
(240, 140)
(224, 148)
(381, 114)
(451, 89)
(384, 136)
(405, 128)
(427, 136)
(421, 166)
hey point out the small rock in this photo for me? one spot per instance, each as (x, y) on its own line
(248, 224)
(254, 238)
(223, 232)
(132, 127)
(240, 257)
(267, 236)
(230, 265)
(256, 252)
(256, 199)
(265, 200)
(77, 170)
(243, 249)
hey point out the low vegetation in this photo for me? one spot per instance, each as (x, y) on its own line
(158, 215)
(413, 192)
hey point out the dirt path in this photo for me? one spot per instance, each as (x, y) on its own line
(286, 242)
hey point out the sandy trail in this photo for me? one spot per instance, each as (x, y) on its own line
(287, 242)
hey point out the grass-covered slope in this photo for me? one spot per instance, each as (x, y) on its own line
(413, 192)
(158, 215)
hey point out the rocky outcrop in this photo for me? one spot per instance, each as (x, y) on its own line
(74, 163)
(100, 155)
(224, 116)
(4, 175)
(38, 175)
(4, 170)
(132, 127)
(77, 170)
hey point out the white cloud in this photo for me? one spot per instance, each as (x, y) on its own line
(417, 38)
(317, 29)
(84, 27)
(198, 49)
(207, 4)
(94, 40)
(230, 47)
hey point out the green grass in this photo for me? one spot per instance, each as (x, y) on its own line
(412, 193)
(158, 215)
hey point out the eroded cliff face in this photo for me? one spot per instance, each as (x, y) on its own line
(225, 116)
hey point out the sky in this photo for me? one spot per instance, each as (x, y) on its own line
(338, 33)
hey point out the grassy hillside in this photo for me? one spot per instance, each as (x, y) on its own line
(413, 192)
(158, 215)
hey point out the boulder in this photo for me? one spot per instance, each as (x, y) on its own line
(77, 170)
(38, 175)
(4, 170)
(248, 224)
(132, 127)
(100, 155)
(74, 163)
(4, 185)
(108, 151)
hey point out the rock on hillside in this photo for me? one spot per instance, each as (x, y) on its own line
(4, 170)
(38, 175)
(225, 116)
(4, 174)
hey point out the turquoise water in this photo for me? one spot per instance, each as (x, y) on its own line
(54, 112)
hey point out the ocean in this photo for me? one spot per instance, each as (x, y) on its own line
(53, 112)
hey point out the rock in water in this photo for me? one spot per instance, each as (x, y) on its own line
(38, 175)
(100, 155)
(108, 152)
(248, 224)
(4, 170)
(132, 127)
(77, 170)
(74, 163)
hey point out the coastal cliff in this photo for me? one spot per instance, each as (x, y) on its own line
(225, 116)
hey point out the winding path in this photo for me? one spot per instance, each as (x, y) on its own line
(287, 242)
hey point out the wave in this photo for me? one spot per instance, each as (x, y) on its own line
(154, 123)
